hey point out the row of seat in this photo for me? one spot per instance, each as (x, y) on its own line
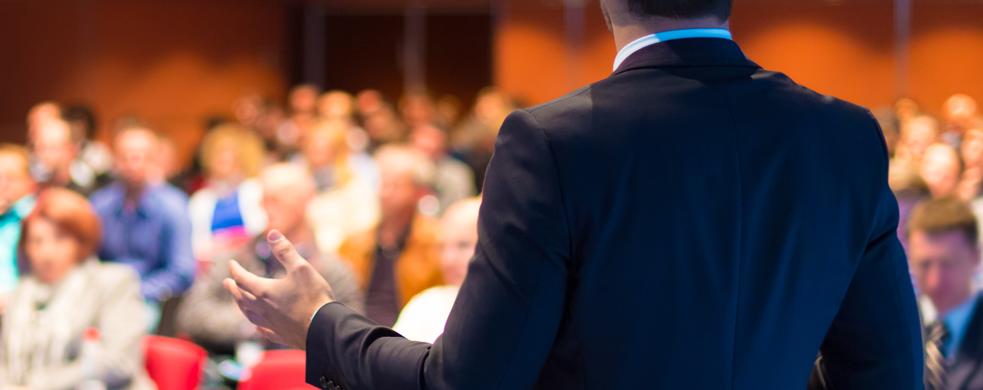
(175, 364)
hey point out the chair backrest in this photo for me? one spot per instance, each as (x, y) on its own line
(174, 364)
(278, 370)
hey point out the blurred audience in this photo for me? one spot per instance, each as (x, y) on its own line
(417, 109)
(55, 151)
(226, 213)
(474, 140)
(354, 182)
(944, 255)
(397, 259)
(383, 127)
(70, 322)
(453, 179)
(425, 314)
(917, 134)
(960, 113)
(16, 201)
(145, 220)
(941, 170)
(302, 105)
(339, 106)
(346, 182)
(93, 153)
(209, 314)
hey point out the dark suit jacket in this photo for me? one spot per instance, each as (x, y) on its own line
(692, 221)
(966, 367)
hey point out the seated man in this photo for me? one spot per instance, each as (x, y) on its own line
(397, 259)
(145, 220)
(209, 314)
(944, 255)
(55, 154)
(424, 316)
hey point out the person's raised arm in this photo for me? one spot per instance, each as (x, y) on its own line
(507, 313)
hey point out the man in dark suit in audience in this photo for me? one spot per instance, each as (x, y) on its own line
(944, 256)
(690, 222)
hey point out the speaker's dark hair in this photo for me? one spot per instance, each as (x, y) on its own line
(681, 9)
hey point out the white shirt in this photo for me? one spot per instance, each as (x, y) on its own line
(666, 36)
(424, 316)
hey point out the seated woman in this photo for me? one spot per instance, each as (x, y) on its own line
(71, 320)
(225, 214)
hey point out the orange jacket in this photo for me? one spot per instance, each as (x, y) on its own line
(417, 268)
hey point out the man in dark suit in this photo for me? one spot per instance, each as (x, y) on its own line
(692, 221)
(944, 257)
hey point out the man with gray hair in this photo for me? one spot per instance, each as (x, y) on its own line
(209, 315)
(396, 260)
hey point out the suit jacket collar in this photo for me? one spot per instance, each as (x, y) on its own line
(687, 52)
(966, 363)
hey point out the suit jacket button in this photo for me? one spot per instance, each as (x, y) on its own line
(324, 383)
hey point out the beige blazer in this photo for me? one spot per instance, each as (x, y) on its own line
(44, 328)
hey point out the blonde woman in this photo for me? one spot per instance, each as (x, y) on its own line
(346, 185)
(226, 213)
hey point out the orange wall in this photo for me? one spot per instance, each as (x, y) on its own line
(947, 52)
(172, 63)
(844, 49)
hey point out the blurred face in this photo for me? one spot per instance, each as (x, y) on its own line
(458, 238)
(943, 265)
(225, 162)
(368, 101)
(248, 109)
(906, 109)
(303, 99)
(960, 109)
(940, 170)
(335, 106)
(136, 153)
(53, 146)
(51, 252)
(41, 113)
(398, 193)
(918, 136)
(418, 110)
(381, 126)
(285, 209)
(972, 148)
(15, 180)
(319, 149)
(430, 141)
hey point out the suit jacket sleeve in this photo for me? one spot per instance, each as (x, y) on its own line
(875, 338)
(506, 316)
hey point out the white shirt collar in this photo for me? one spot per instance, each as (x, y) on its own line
(665, 36)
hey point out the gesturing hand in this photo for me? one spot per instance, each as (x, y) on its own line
(280, 308)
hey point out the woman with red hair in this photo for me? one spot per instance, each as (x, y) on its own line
(69, 300)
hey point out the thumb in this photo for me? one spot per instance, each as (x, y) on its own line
(283, 250)
(246, 281)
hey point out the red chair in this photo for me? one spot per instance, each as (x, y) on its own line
(174, 364)
(278, 370)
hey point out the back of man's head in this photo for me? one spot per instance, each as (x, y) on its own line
(681, 9)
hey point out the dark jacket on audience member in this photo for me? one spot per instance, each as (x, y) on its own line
(965, 368)
(691, 222)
